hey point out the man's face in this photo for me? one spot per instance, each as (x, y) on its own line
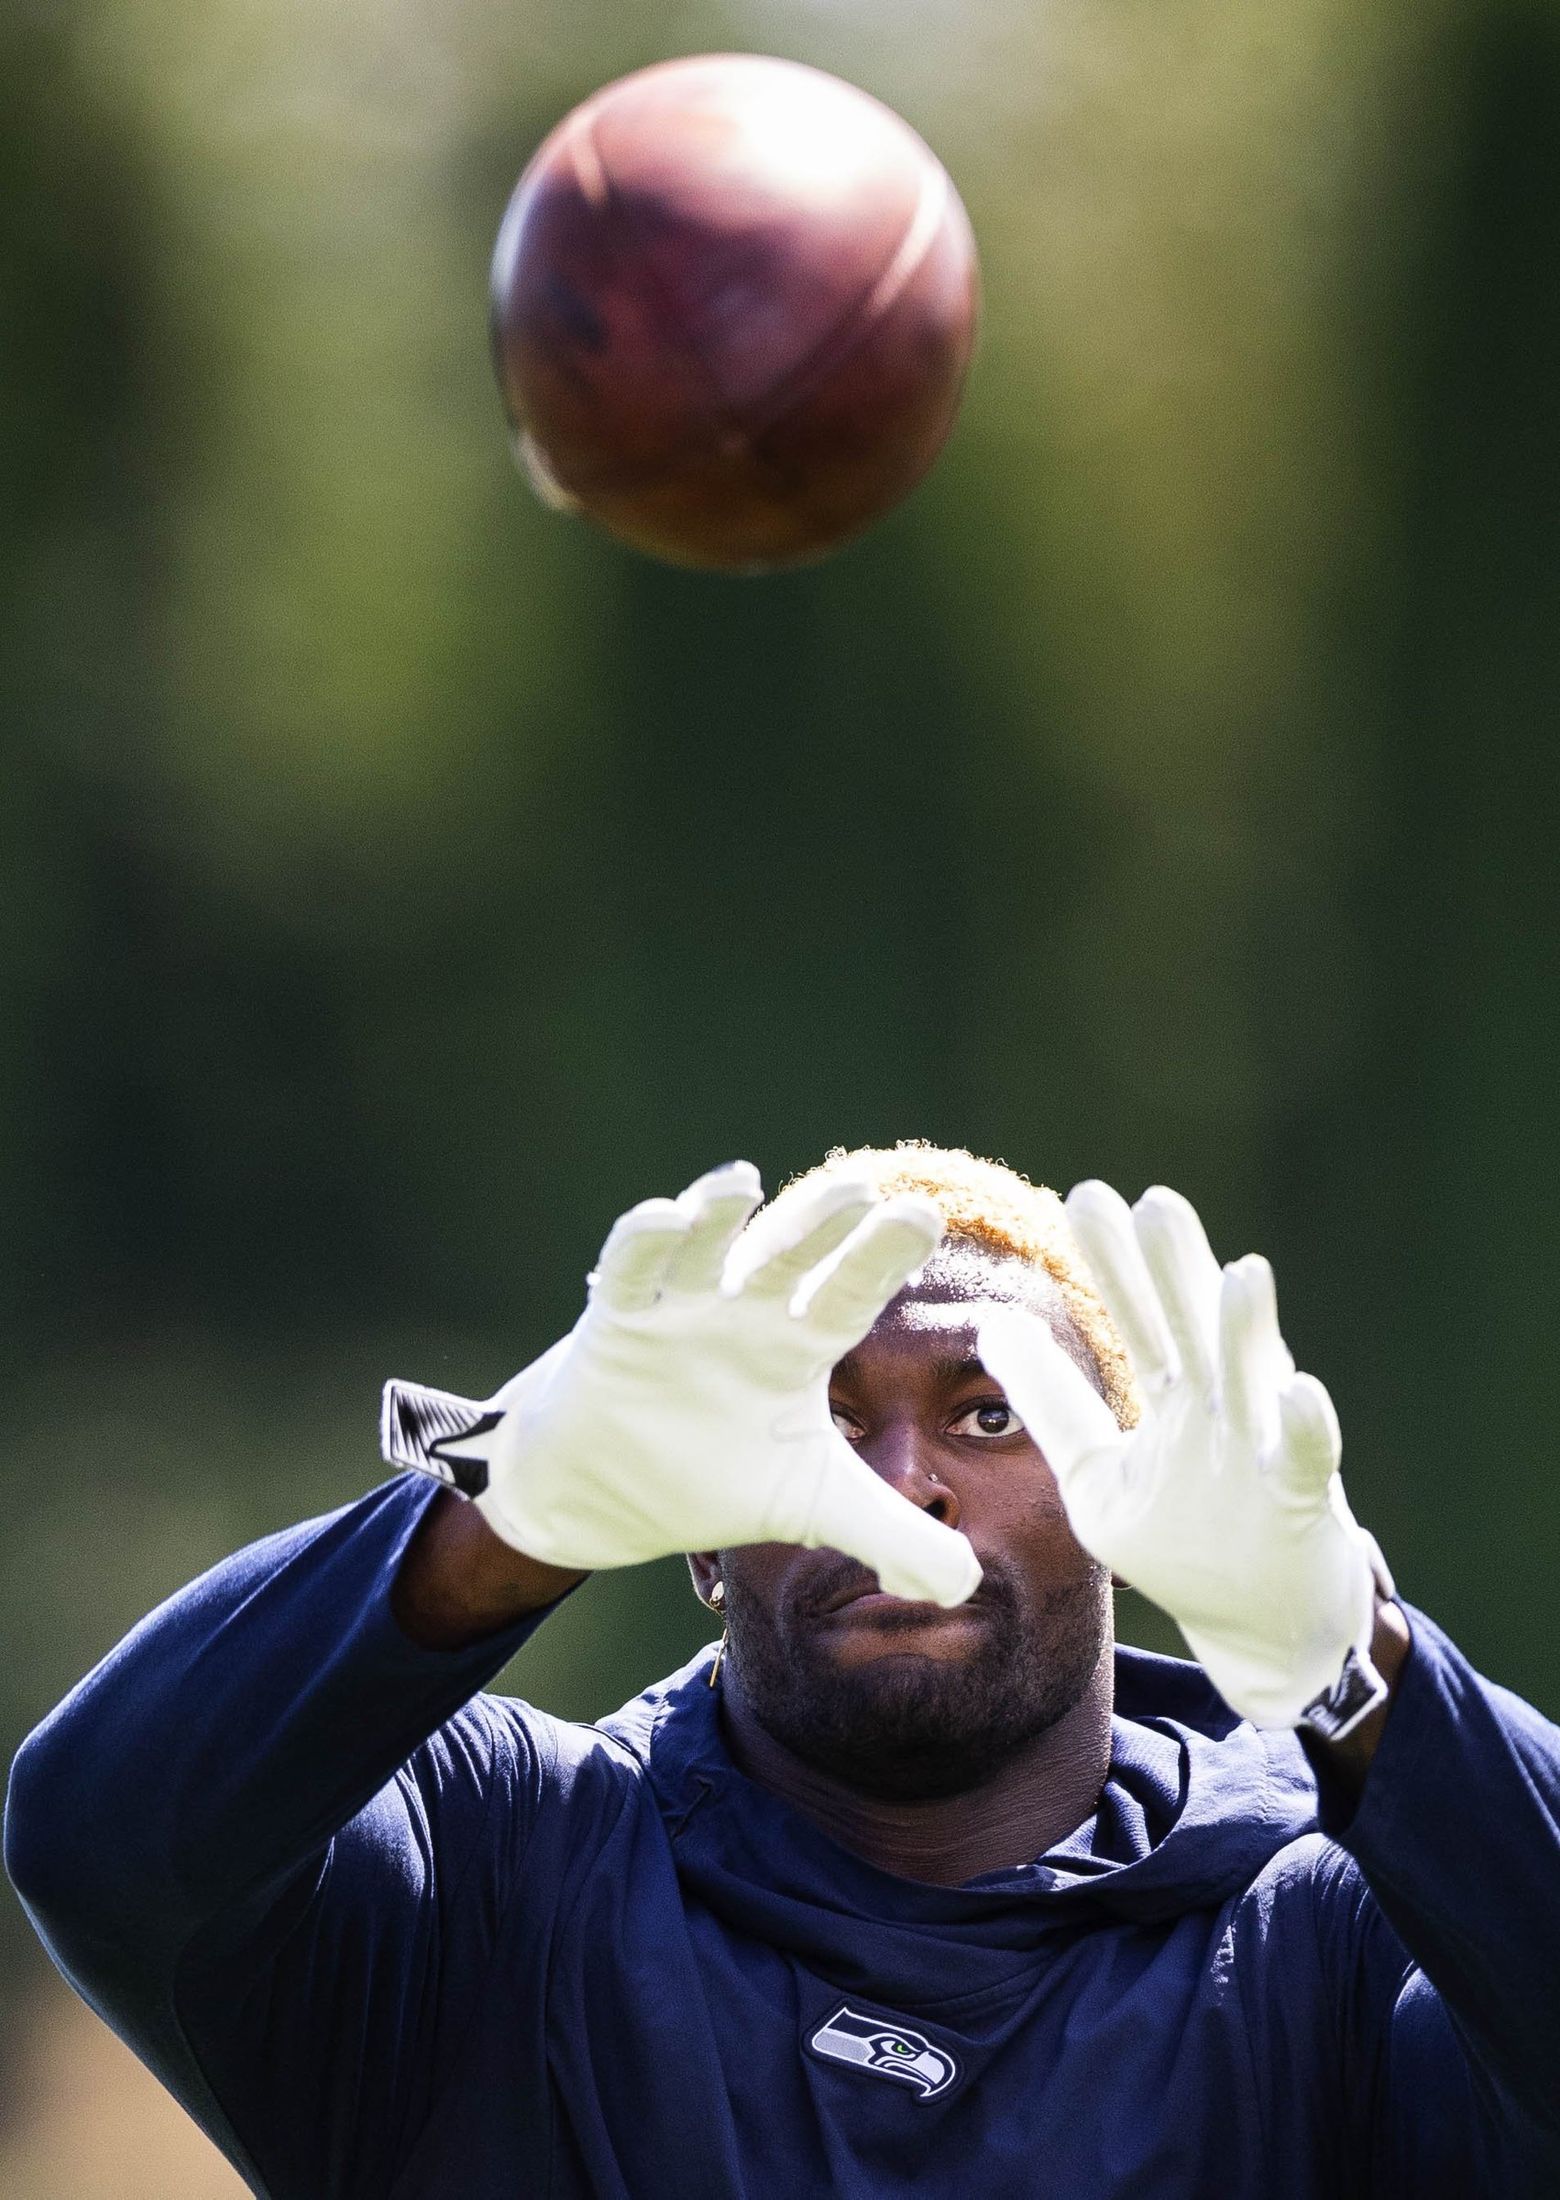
(909, 1700)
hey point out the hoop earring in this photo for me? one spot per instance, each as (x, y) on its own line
(717, 1601)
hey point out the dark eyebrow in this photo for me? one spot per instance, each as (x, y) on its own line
(958, 1367)
(948, 1368)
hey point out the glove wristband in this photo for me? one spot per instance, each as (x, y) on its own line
(1351, 1699)
(1359, 1688)
(417, 1426)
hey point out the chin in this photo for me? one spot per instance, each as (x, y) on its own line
(927, 1704)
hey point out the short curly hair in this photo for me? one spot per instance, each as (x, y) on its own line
(997, 1210)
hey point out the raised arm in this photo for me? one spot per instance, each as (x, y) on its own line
(174, 1820)
(1225, 1505)
(276, 1780)
(1451, 1970)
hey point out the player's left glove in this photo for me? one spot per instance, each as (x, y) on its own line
(1224, 1505)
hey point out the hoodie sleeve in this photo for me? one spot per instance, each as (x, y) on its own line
(241, 1836)
(1449, 1931)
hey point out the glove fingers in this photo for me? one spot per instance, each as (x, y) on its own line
(1253, 1360)
(1052, 1396)
(1310, 1440)
(640, 1246)
(913, 1555)
(1102, 1223)
(1186, 1276)
(839, 1302)
(718, 1205)
(782, 1244)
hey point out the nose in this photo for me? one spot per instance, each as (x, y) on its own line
(898, 1453)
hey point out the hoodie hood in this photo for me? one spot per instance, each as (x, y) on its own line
(1196, 1802)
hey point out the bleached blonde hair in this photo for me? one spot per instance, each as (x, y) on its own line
(995, 1209)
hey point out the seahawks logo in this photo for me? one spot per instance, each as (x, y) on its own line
(887, 2050)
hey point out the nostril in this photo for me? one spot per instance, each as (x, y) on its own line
(902, 1462)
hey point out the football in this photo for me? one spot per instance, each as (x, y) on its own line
(733, 303)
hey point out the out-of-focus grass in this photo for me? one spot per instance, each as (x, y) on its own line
(84, 2121)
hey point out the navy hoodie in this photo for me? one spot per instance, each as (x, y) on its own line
(390, 1938)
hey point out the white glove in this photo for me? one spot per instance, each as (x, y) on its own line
(688, 1407)
(1224, 1505)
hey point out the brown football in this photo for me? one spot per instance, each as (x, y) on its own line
(733, 304)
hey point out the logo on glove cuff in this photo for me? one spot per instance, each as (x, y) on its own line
(418, 1424)
(885, 2050)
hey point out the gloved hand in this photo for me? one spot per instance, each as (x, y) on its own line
(688, 1407)
(1225, 1504)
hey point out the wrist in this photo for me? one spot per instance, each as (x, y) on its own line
(459, 1580)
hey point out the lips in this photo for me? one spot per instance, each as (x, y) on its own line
(861, 1586)
(875, 1599)
(857, 1584)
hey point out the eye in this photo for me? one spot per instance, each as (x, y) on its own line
(991, 1417)
(851, 1430)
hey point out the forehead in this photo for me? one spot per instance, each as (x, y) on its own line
(926, 1336)
(943, 1302)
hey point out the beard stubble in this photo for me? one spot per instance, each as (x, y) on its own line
(918, 1729)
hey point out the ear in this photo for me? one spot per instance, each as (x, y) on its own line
(704, 1566)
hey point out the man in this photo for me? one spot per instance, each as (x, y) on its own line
(912, 1882)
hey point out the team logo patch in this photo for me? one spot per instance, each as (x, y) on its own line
(887, 2050)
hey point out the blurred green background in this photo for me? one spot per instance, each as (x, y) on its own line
(397, 879)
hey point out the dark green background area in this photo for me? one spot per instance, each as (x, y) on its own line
(397, 880)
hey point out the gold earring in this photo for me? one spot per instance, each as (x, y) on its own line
(717, 1603)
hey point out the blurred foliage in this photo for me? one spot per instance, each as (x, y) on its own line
(398, 880)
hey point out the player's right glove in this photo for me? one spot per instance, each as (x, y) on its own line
(688, 1408)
